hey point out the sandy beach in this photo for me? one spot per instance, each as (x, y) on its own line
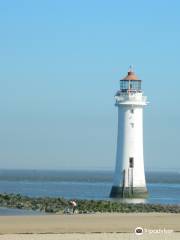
(90, 226)
(89, 236)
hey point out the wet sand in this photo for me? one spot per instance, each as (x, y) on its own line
(89, 226)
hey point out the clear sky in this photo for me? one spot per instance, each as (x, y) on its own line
(60, 65)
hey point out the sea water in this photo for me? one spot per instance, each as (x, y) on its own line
(163, 187)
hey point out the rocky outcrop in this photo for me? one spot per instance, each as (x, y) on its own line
(58, 205)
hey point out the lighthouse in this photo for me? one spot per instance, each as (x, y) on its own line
(129, 176)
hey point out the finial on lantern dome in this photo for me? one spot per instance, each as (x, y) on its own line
(130, 68)
(131, 75)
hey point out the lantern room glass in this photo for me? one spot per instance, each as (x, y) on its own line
(130, 85)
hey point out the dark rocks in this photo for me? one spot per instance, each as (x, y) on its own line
(58, 205)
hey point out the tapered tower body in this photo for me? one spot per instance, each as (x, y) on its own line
(129, 176)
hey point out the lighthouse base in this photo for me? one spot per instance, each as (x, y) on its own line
(127, 192)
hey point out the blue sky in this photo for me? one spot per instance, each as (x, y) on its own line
(61, 62)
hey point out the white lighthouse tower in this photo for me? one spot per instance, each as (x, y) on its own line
(129, 177)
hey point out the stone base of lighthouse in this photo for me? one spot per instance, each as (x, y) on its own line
(127, 192)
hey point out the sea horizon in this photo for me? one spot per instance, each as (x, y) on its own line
(158, 176)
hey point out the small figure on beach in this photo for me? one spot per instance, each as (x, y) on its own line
(73, 205)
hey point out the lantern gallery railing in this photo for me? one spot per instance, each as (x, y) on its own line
(134, 97)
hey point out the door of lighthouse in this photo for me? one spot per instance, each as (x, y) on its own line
(131, 162)
(130, 174)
